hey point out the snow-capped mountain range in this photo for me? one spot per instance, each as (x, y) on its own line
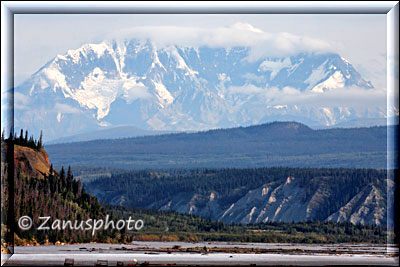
(177, 88)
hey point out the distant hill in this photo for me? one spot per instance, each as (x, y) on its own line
(273, 144)
(109, 133)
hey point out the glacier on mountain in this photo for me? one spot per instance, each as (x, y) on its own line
(181, 88)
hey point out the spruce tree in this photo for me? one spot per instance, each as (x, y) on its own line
(69, 172)
(26, 137)
(21, 137)
(62, 177)
(31, 142)
(62, 172)
(51, 169)
(70, 179)
(40, 142)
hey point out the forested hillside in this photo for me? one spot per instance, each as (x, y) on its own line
(255, 195)
(275, 144)
(38, 190)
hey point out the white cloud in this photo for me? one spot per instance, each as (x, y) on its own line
(65, 109)
(352, 97)
(137, 91)
(262, 44)
(359, 38)
(274, 66)
(247, 89)
(252, 77)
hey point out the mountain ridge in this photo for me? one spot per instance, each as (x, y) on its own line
(255, 146)
(179, 88)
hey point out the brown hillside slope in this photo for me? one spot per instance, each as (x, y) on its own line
(30, 161)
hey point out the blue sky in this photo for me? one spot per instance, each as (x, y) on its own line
(361, 39)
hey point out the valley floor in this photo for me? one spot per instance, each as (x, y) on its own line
(206, 254)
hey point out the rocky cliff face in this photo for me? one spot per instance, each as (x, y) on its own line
(28, 161)
(288, 201)
(31, 162)
(368, 206)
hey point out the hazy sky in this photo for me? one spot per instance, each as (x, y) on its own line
(361, 39)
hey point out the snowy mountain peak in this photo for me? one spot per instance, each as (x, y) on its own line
(180, 88)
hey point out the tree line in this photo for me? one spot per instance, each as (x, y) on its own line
(23, 140)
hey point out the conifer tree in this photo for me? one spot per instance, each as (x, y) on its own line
(31, 142)
(26, 137)
(70, 178)
(40, 142)
(11, 137)
(62, 176)
(21, 137)
(69, 172)
(62, 172)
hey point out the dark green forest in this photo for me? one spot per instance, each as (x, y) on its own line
(287, 144)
